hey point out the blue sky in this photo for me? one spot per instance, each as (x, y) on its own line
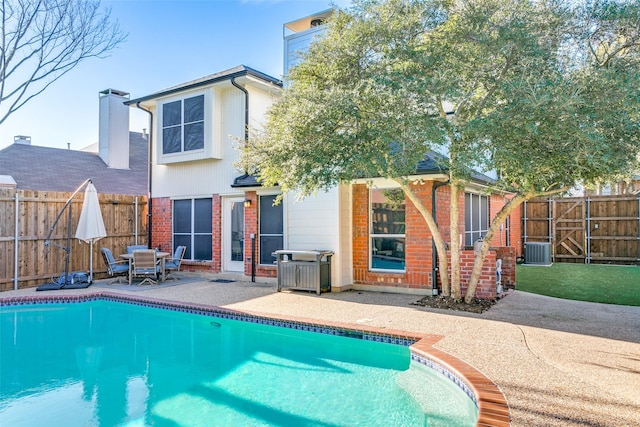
(169, 42)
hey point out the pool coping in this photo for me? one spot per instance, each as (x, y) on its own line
(493, 409)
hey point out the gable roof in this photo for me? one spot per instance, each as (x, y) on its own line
(55, 169)
(238, 71)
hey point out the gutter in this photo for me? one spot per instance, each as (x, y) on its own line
(246, 139)
(150, 165)
(434, 250)
(243, 71)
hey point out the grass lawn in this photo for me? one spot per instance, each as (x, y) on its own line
(611, 284)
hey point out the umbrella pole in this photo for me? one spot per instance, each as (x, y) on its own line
(91, 263)
(67, 280)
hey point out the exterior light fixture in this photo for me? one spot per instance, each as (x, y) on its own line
(247, 203)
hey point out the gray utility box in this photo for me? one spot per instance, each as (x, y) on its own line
(537, 253)
(306, 270)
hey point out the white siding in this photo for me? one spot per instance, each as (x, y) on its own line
(323, 221)
(259, 102)
(344, 263)
(298, 42)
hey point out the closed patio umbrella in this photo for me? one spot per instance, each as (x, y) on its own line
(90, 226)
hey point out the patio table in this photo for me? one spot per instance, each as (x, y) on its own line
(162, 256)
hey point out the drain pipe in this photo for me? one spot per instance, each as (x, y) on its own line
(434, 250)
(150, 165)
(246, 109)
(246, 139)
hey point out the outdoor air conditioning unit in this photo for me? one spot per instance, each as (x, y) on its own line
(538, 253)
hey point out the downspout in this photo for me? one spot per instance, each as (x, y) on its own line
(149, 214)
(434, 250)
(246, 139)
(246, 109)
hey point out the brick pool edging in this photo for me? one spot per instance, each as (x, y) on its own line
(493, 409)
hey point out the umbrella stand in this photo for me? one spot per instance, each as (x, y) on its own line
(90, 224)
(67, 249)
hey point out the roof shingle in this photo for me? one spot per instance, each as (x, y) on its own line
(55, 169)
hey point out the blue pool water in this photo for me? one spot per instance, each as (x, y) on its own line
(105, 363)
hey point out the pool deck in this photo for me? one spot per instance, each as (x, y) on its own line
(558, 362)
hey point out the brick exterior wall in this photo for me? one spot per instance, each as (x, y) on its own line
(161, 225)
(418, 248)
(487, 283)
(496, 202)
(508, 256)
(418, 243)
(516, 231)
(216, 238)
(251, 227)
(162, 233)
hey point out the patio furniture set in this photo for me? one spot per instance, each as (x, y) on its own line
(151, 265)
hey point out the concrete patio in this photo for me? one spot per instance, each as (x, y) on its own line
(558, 362)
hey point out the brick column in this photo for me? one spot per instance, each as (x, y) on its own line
(161, 223)
(216, 233)
(250, 227)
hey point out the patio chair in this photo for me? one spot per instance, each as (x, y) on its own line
(173, 264)
(132, 248)
(145, 265)
(114, 268)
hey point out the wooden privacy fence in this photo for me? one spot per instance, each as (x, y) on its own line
(595, 229)
(26, 218)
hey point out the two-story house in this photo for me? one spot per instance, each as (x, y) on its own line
(229, 223)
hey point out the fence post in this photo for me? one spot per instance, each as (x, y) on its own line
(551, 214)
(588, 235)
(15, 246)
(136, 219)
(524, 220)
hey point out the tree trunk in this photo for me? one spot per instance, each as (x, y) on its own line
(435, 233)
(486, 244)
(499, 219)
(454, 247)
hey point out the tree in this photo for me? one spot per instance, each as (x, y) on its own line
(42, 40)
(544, 92)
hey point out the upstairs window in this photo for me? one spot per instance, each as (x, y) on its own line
(183, 125)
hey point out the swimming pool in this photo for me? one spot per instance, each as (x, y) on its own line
(112, 361)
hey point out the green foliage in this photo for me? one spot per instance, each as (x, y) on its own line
(545, 92)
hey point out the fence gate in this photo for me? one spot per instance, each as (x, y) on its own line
(568, 230)
(595, 229)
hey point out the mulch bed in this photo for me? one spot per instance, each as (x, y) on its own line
(448, 303)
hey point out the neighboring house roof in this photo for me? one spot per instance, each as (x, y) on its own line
(433, 164)
(238, 71)
(55, 169)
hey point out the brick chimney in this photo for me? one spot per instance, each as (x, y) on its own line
(113, 136)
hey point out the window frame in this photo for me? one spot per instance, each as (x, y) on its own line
(212, 127)
(373, 235)
(192, 234)
(261, 234)
(475, 225)
(182, 124)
